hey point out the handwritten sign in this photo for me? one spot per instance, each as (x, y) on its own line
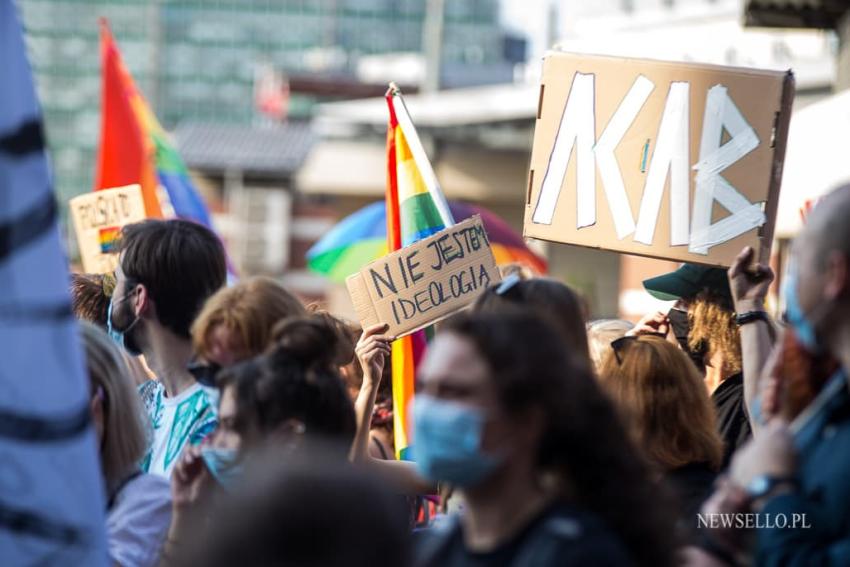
(98, 218)
(427, 281)
(669, 160)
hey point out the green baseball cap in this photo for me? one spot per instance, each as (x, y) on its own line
(687, 282)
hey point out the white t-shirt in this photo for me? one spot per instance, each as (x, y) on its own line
(138, 521)
(186, 418)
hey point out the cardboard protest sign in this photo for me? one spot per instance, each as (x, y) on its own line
(98, 218)
(427, 281)
(668, 160)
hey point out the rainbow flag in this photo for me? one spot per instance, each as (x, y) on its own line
(135, 149)
(416, 208)
(108, 239)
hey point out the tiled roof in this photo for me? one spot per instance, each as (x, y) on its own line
(273, 150)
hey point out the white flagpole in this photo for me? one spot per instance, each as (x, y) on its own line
(420, 157)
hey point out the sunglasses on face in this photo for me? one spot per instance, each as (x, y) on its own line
(204, 372)
(621, 345)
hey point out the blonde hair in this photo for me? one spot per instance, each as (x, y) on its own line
(662, 396)
(713, 324)
(124, 422)
(601, 333)
(250, 310)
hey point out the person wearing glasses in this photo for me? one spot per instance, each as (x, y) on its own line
(90, 297)
(288, 396)
(236, 324)
(704, 323)
(660, 394)
(552, 301)
(166, 270)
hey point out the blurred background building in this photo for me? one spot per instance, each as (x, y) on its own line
(277, 105)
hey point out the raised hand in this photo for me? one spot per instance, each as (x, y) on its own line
(373, 350)
(749, 286)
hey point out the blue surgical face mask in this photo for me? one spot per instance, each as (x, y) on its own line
(447, 446)
(118, 336)
(223, 465)
(799, 321)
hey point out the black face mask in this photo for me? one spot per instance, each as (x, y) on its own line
(681, 327)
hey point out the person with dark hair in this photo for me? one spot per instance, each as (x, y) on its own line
(166, 271)
(705, 325)
(306, 509)
(552, 301)
(663, 400)
(90, 297)
(292, 393)
(521, 428)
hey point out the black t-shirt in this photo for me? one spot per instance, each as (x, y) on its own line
(691, 485)
(560, 535)
(733, 422)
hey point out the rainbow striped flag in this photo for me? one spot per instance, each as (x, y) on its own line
(108, 239)
(416, 209)
(135, 149)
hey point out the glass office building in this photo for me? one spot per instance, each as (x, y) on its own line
(196, 60)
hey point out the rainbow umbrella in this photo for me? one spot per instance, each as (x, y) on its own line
(362, 237)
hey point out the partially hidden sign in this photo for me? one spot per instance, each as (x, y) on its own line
(427, 281)
(98, 218)
(668, 160)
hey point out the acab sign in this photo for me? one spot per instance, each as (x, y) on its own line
(638, 129)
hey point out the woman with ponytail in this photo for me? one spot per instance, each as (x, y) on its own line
(292, 394)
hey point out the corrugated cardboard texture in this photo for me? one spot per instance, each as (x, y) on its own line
(427, 281)
(763, 98)
(104, 210)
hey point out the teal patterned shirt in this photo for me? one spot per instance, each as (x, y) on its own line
(175, 422)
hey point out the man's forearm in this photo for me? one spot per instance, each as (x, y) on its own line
(757, 341)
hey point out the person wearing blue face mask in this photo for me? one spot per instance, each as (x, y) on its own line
(166, 271)
(801, 470)
(524, 433)
(292, 394)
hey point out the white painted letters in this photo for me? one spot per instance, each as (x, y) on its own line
(671, 153)
(609, 169)
(577, 128)
(720, 112)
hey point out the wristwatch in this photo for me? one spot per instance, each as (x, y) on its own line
(764, 484)
(750, 316)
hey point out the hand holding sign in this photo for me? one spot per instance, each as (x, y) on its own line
(427, 281)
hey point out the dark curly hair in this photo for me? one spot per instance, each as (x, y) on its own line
(584, 443)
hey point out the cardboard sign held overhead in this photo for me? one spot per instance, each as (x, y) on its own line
(427, 281)
(98, 218)
(668, 160)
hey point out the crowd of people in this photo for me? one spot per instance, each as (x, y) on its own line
(238, 426)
